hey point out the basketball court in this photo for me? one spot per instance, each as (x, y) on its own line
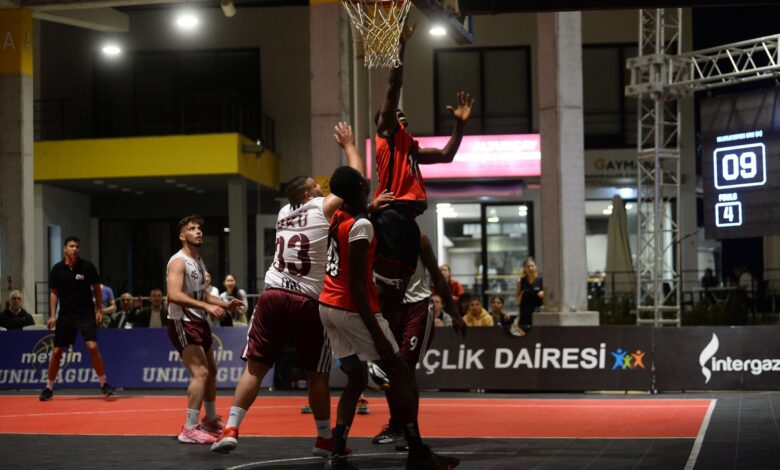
(138, 430)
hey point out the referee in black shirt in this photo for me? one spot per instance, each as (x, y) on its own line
(72, 282)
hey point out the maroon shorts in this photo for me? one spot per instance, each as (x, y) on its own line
(413, 329)
(281, 315)
(195, 332)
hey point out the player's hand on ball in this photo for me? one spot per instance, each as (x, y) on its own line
(465, 103)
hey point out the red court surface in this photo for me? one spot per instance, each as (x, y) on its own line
(444, 417)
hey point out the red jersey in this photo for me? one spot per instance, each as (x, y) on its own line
(345, 228)
(397, 167)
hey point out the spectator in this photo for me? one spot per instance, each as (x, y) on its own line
(456, 289)
(233, 292)
(440, 317)
(529, 295)
(476, 315)
(500, 317)
(14, 317)
(109, 304)
(121, 318)
(709, 280)
(153, 316)
(745, 282)
(208, 288)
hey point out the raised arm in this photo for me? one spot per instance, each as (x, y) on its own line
(346, 139)
(461, 113)
(432, 265)
(388, 122)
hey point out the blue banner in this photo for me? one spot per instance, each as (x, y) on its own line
(134, 358)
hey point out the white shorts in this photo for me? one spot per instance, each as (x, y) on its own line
(348, 334)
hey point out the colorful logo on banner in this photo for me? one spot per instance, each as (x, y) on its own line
(625, 360)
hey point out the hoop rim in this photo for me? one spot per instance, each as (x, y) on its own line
(384, 3)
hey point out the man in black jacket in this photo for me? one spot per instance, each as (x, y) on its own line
(14, 317)
(152, 316)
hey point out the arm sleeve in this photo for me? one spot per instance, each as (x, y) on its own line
(92, 275)
(361, 230)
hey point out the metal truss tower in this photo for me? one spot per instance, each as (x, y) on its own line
(660, 76)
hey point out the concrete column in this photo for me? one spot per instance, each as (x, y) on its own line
(17, 235)
(563, 160)
(330, 80)
(237, 218)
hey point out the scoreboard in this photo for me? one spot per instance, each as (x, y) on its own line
(741, 165)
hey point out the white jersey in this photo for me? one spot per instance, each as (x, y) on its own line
(419, 287)
(194, 276)
(301, 249)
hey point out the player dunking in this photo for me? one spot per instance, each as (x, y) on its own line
(413, 328)
(350, 313)
(398, 157)
(190, 333)
(288, 307)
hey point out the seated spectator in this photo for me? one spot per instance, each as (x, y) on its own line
(233, 292)
(440, 317)
(500, 317)
(208, 288)
(125, 310)
(476, 315)
(456, 289)
(14, 317)
(153, 316)
(709, 280)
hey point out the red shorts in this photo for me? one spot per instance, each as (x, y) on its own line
(195, 332)
(413, 329)
(281, 315)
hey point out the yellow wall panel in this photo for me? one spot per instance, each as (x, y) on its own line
(16, 43)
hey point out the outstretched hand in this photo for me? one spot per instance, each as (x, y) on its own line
(465, 103)
(344, 135)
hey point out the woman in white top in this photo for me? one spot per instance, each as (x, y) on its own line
(233, 292)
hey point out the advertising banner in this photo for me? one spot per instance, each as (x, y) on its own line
(717, 358)
(135, 358)
(548, 358)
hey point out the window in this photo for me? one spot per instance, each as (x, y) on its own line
(500, 80)
(610, 116)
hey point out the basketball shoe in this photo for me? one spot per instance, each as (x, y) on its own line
(195, 436)
(226, 442)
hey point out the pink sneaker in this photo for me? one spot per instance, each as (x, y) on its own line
(213, 426)
(226, 442)
(323, 447)
(195, 436)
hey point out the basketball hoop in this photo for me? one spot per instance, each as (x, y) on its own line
(379, 24)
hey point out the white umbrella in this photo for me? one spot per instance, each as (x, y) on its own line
(620, 270)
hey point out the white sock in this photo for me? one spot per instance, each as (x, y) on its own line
(323, 428)
(192, 418)
(50, 384)
(235, 417)
(211, 409)
(102, 380)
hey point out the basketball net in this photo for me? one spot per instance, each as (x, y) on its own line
(379, 24)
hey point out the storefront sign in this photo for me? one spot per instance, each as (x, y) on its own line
(139, 358)
(481, 156)
(610, 165)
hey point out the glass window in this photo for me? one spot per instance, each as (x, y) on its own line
(497, 77)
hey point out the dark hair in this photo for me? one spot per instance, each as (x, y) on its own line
(473, 298)
(71, 238)
(376, 117)
(235, 288)
(398, 114)
(296, 189)
(194, 218)
(465, 297)
(497, 297)
(348, 184)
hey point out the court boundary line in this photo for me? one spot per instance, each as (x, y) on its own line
(700, 437)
